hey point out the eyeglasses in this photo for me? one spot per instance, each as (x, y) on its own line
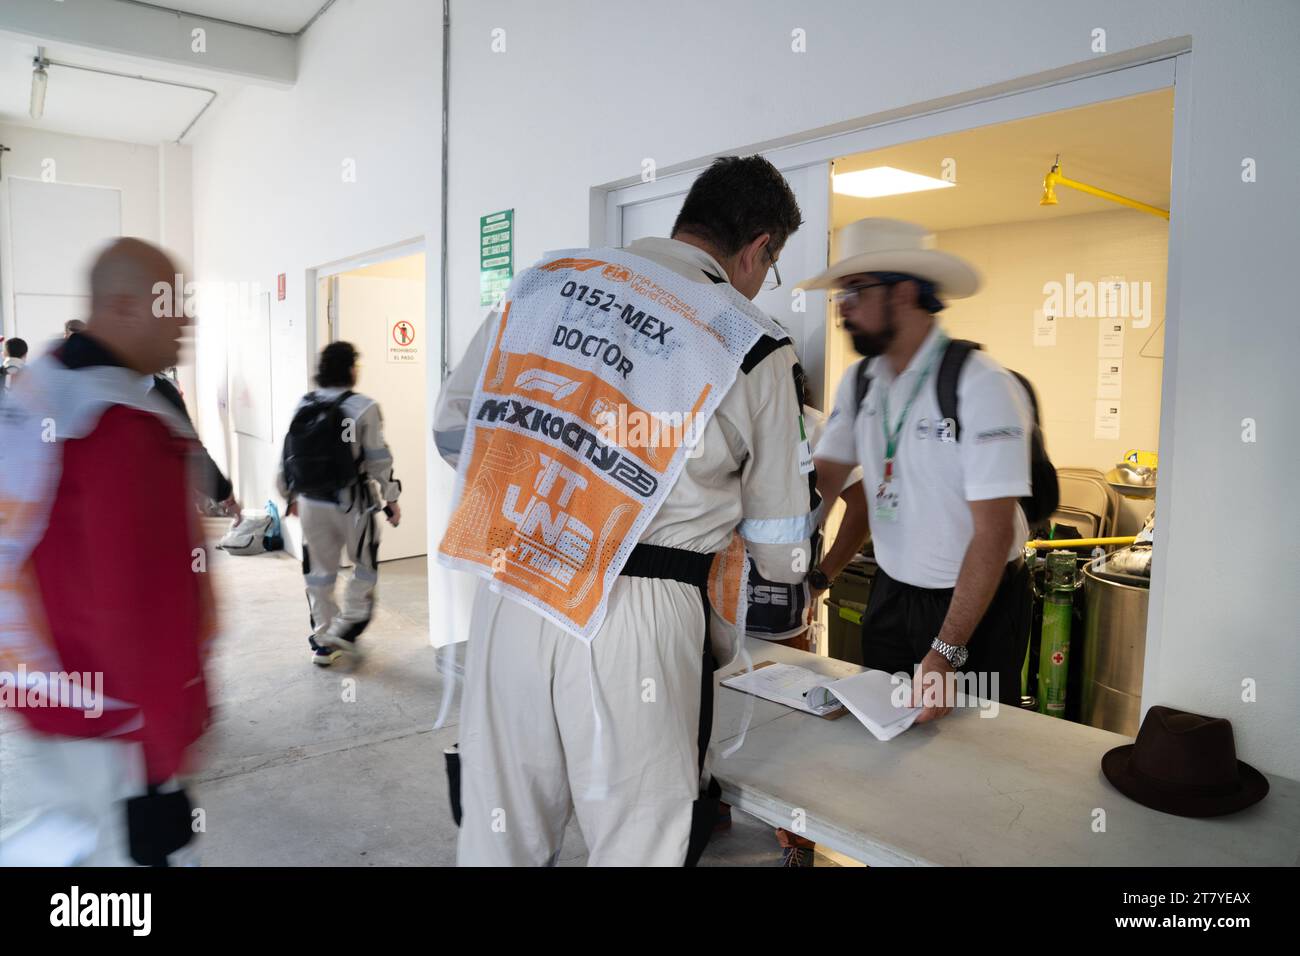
(775, 283)
(848, 298)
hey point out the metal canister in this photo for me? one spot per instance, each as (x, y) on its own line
(1054, 648)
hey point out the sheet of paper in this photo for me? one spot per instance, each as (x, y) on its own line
(1106, 422)
(1112, 296)
(869, 696)
(1044, 329)
(1110, 338)
(785, 684)
(1110, 374)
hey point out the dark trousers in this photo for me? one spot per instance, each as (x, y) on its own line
(901, 620)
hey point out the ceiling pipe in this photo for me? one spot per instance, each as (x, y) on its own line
(212, 94)
(1054, 178)
(40, 77)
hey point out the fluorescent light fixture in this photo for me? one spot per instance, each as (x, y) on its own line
(884, 181)
(39, 79)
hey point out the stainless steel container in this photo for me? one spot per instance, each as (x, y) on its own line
(1115, 638)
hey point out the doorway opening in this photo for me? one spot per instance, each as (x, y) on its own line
(1074, 292)
(1073, 298)
(379, 307)
(1059, 279)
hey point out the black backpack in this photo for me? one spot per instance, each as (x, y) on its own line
(318, 462)
(1044, 491)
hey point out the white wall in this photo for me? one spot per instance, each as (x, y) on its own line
(176, 234)
(272, 193)
(581, 100)
(1016, 260)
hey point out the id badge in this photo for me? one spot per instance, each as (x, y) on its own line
(886, 502)
(805, 450)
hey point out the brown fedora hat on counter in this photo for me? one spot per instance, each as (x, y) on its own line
(1185, 764)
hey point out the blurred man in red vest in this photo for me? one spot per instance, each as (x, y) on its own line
(104, 599)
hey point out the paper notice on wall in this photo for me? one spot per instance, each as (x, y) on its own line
(1110, 338)
(1044, 329)
(1112, 296)
(402, 347)
(1110, 374)
(1106, 423)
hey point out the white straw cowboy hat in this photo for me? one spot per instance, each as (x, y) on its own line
(891, 245)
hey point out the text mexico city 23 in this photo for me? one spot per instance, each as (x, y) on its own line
(74, 908)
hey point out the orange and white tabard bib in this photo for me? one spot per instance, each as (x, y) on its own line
(605, 370)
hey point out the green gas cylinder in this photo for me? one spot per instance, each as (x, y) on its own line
(1062, 578)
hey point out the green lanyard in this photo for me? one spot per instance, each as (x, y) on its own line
(891, 436)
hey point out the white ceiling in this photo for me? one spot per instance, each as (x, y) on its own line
(1124, 146)
(285, 16)
(82, 103)
(93, 104)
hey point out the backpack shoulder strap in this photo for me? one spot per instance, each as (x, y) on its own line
(950, 366)
(861, 384)
(1029, 391)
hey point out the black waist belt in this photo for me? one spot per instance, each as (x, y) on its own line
(689, 567)
(674, 564)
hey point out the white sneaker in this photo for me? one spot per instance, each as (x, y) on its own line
(346, 645)
(325, 656)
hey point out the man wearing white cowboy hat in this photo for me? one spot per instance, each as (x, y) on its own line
(942, 489)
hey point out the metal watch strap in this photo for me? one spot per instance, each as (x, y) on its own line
(949, 651)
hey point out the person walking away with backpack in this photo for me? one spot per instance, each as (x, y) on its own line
(334, 455)
(944, 485)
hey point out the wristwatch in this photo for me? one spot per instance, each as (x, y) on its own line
(818, 581)
(956, 654)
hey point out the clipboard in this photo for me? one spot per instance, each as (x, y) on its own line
(835, 714)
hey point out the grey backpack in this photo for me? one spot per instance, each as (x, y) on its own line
(247, 537)
(255, 533)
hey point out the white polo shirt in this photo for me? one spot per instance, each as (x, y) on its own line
(934, 476)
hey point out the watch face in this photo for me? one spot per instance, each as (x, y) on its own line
(959, 657)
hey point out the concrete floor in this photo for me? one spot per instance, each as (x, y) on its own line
(294, 774)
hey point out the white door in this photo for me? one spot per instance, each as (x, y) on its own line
(56, 231)
(383, 316)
